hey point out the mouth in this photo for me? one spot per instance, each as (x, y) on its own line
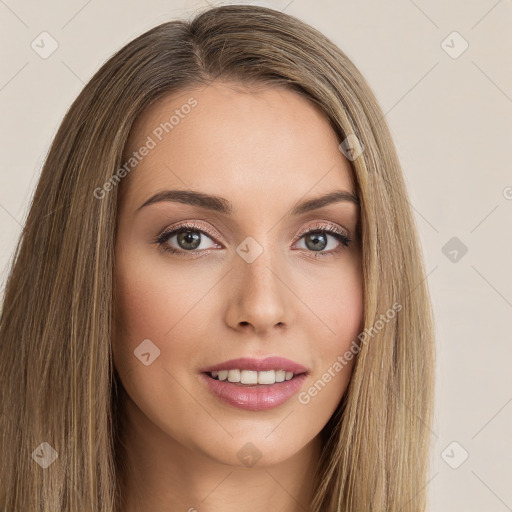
(252, 378)
(247, 371)
(255, 384)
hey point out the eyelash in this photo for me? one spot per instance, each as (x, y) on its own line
(163, 238)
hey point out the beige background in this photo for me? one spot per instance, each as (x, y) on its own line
(451, 117)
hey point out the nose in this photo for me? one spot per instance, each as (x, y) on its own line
(258, 297)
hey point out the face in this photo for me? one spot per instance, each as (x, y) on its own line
(249, 275)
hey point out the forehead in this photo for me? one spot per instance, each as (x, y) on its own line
(257, 141)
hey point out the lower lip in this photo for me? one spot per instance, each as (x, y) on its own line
(257, 397)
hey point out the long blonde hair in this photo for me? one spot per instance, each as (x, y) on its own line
(57, 380)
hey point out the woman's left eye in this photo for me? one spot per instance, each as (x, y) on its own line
(190, 238)
(318, 239)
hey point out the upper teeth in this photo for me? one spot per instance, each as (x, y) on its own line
(253, 377)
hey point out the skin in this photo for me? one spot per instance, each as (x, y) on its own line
(263, 149)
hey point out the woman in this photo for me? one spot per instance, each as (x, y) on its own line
(218, 300)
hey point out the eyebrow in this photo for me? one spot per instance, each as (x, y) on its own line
(222, 205)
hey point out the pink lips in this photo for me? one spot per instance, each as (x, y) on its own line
(256, 397)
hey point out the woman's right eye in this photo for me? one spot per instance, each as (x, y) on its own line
(187, 238)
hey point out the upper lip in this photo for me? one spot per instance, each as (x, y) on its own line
(260, 365)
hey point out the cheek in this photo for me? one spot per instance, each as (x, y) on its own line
(157, 302)
(341, 309)
(344, 309)
(337, 302)
(152, 294)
